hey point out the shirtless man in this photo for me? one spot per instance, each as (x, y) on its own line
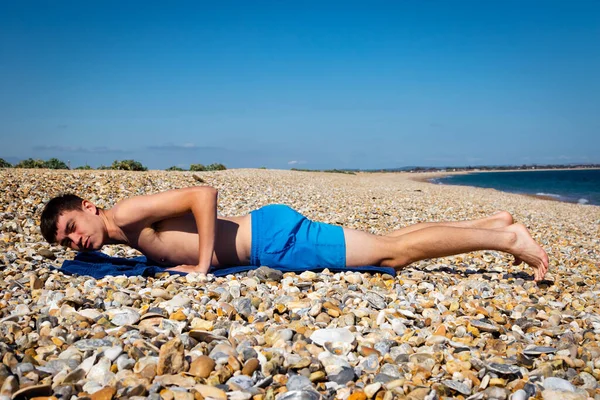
(180, 228)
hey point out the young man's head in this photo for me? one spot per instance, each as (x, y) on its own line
(74, 222)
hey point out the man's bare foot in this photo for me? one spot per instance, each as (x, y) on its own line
(526, 249)
(500, 219)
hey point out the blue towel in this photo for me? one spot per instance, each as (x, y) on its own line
(98, 265)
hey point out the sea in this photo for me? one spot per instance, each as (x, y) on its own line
(572, 185)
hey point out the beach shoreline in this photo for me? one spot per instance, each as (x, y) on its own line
(436, 175)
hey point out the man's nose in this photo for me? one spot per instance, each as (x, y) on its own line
(75, 238)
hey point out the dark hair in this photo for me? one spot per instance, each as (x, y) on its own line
(54, 209)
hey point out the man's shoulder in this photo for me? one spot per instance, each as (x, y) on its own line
(127, 212)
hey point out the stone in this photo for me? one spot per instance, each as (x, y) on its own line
(496, 393)
(106, 393)
(265, 274)
(250, 366)
(321, 336)
(504, 369)
(49, 254)
(299, 382)
(344, 376)
(243, 382)
(243, 307)
(549, 394)
(372, 389)
(589, 382)
(520, 395)
(175, 380)
(202, 366)
(211, 391)
(558, 384)
(457, 386)
(418, 394)
(171, 357)
(124, 316)
(299, 395)
(536, 351)
(484, 325)
(357, 396)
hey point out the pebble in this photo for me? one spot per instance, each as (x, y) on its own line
(473, 321)
(202, 366)
(519, 395)
(457, 386)
(322, 336)
(299, 395)
(298, 382)
(171, 357)
(372, 389)
(558, 384)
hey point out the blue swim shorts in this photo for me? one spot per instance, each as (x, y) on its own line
(284, 238)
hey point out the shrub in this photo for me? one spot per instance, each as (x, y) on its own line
(85, 167)
(55, 163)
(216, 167)
(4, 163)
(128, 165)
(30, 163)
(174, 168)
(197, 167)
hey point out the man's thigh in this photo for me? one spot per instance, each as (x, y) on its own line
(363, 248)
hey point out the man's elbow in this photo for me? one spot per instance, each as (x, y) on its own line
(211, 191)
(206, 192)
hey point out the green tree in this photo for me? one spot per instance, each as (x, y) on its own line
(4, 163)
(84, 167)
(174, 168)
(197, 167)
(55, 163)
(216, 167)
(30, 163)
(128, 165)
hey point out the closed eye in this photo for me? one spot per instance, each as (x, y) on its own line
(69, 229)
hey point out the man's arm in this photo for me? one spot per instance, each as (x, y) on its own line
(201, 201)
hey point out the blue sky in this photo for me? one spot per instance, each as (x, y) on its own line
(301, 84)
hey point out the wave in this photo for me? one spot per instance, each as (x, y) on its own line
(558, 196)
(582, 201)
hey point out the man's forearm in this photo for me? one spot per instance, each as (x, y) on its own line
(204, 209)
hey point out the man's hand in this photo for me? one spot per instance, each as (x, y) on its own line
(189, 269)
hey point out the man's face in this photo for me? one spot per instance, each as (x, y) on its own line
(81, 230)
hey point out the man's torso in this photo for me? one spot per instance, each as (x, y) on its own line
(174, 241)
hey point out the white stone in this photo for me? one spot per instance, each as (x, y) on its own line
(322, 336)
(371, 389)
(123, 316)
(113, 352)
(559, 384)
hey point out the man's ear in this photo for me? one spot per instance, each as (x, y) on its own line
(89, 207)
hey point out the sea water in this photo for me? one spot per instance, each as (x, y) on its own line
(574, 185)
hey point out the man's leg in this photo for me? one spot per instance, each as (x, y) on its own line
(363, 248)
(498, 220)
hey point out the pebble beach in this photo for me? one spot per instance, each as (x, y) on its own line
(471, 326)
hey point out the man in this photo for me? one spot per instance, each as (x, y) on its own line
(180, 228)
